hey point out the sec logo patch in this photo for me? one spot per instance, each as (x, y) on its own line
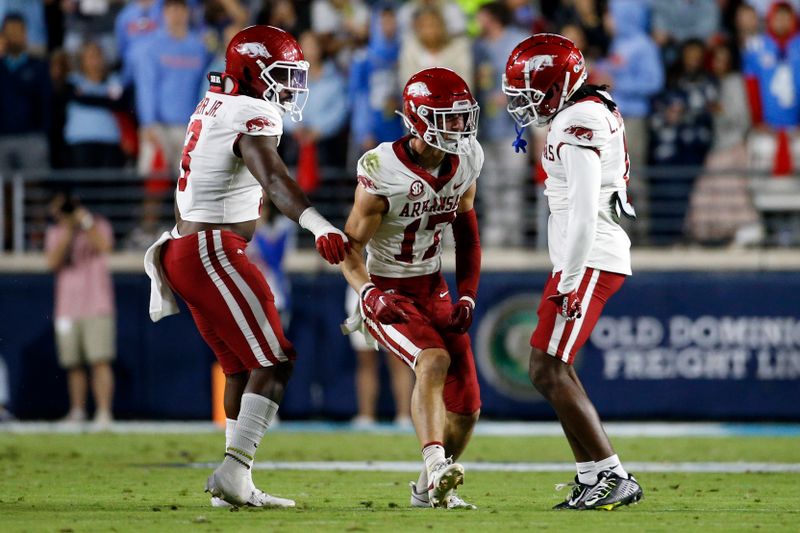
(416, 190)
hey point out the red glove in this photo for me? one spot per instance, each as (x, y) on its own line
(333, 246)
(569, 303)
(461, 316)
(382, 307)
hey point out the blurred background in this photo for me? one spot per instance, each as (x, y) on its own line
(94, 103)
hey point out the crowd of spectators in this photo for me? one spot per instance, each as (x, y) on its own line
(701, 83)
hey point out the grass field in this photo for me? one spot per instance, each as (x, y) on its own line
(130, 482)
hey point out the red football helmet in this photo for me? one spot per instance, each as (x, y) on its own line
(541, 74)
(267, 63)
(438, 107)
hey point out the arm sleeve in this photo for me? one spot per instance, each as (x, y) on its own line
(582, 166)
(468, 253)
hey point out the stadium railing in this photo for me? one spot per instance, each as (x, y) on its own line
(123, 197)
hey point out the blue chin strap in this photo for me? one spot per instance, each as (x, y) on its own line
(519, 143)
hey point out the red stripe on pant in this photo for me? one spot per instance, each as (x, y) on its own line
(244, 306)
(587, 275)
(390, 344)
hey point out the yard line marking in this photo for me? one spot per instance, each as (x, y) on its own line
(414, 466)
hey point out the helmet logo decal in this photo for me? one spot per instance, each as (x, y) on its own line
(416, 190)
(539, 62)
(580, 132)
(258, 124)
(253, 50)
(418, 89)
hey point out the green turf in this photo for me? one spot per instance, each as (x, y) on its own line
(104, 482)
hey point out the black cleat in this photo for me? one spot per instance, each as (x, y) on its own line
(577, 493)
(612, 491)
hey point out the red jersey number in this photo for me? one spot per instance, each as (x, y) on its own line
(192, 136)
(406, 254)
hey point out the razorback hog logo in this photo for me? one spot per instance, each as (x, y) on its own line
(418, 88)
(258, 124)
(580, 132)
(253, 50)
(540, 62)
(366, 182)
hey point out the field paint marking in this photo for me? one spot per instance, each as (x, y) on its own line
(487, 428)
(414, 466)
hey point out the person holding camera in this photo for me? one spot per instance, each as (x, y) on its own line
(77, 246)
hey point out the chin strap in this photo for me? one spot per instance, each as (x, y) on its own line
(519, 143)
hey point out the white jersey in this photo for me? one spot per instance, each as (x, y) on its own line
(215, 185)
(589, 125)
(421, 205)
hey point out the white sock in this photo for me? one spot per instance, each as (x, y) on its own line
(230, 425)
(587, 472)
(422, 481)
(611, 463)
(255, 416)
(433, 454)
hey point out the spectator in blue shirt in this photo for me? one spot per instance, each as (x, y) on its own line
(169, 69)
(137, 20)
(91, 131)
(32, 12)
(24, 101)
(503, 177)
(326, 111)
(374, 87)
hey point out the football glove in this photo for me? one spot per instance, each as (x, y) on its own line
(382, 307)
(461, 315)
(569, 304)
(333, 246)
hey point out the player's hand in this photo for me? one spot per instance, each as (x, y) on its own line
(461, 315)
(333, 246)
(569, 304)
(383, 307)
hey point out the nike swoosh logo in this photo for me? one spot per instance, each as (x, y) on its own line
(579, 472)
(455, 187)
(443, 294)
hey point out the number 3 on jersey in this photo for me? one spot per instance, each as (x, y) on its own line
(192, 135)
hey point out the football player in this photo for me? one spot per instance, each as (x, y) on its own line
(586, 161)
(229, 156)
(408, 192)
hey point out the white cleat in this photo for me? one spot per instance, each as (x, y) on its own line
(443, 479)
(420, 499)
(257, 498)
(230, 482)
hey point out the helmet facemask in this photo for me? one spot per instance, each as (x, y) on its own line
(524, 104)
(437, 132)
(286, 76)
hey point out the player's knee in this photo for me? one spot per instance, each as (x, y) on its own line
(432, 365)
(545, 372)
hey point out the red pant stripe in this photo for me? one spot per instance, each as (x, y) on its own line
(257, 317)
(568, 339)
(232, 297)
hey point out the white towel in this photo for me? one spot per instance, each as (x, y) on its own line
(162, 301)
(356, 323)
